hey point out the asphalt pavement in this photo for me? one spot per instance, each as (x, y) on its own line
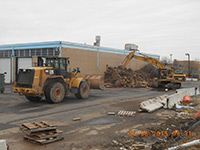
(15, 109)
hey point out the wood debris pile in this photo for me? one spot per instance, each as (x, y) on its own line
(123, 77)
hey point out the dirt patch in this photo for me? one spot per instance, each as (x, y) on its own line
(168, 129)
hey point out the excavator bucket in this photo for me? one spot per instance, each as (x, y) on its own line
(95, 81)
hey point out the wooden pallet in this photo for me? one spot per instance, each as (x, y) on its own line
(45, 134)
(127, 113)
(37, 127)
(41, 132)
(44, 141)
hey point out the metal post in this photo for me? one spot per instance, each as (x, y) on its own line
(189, 65)
(187, 54)
(98, 39)
(13, 55)
(195, 91)
(171, 58)
(47, 52)
(41, 52)
(60, 49)
(54, 52)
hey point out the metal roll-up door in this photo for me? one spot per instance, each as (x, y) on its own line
(24, 63)
(5, 66)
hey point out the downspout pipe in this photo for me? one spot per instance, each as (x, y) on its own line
(60, 49)
(13, 55)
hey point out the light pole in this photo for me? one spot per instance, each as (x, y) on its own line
(171, 58)
(187, 54)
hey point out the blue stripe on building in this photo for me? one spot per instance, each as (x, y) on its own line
(60, 44)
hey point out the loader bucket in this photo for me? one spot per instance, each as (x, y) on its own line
(95, 81)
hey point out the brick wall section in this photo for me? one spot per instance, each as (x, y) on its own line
(34, 61)
(86, 60)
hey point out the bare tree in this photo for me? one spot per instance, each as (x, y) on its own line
(165, 60)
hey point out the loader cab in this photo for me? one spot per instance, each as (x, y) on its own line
(60, 65)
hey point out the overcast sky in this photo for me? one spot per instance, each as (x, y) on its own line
(160, 27)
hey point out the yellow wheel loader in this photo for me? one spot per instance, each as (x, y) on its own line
(52, 81)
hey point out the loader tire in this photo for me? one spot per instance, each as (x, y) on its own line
(33, 99)
(83, 90)
(54, 92)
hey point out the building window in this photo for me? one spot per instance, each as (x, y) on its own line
(44, 52)
(30, 52)
(33, 52)
(50, 52)
(5, 53)
(26, 52)
(1, 54)
(38, 52)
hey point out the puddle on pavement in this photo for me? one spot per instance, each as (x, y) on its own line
(103, 121)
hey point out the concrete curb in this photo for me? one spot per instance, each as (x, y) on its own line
(3, 145)
(178, 96)
(154, 104)
(166, 101)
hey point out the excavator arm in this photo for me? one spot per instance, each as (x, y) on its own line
(128, 59)
(166, 78)
(155, 62)
(143, 57)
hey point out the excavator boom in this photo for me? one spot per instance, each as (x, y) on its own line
(143, 57)
(165, 76)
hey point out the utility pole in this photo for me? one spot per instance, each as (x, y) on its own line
(187, 54)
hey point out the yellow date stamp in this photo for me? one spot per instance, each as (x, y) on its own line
(160, 133)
